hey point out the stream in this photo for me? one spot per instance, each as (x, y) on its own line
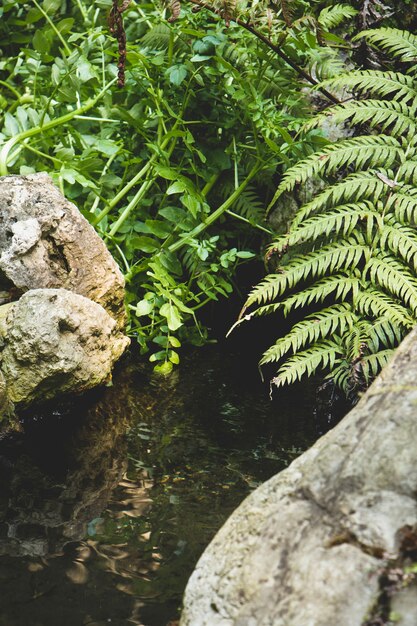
(107, 502)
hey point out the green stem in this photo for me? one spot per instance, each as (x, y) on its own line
(31, 132)
(217, 213)
(170, 47)
(82, 11)
(210, 184)
(10, 88)
(141, 174)
(243, 219)
(54, 28)
(43, 154)
(103, 173)
(126, 212)
(127, 187)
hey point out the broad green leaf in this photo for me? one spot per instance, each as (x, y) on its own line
(172, 315)
(11, 127)
(178, 187)
(176, 74)
(41, 42)
(144, 307)
(192, 203)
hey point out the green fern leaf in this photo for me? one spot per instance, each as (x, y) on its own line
(331, 17)
(375, 83)
(314, 328)
(386, 272)
(362, 185)
(322, 355)
(403, 203)
(340, 286)
(341, 375)
(340, 255)
(400, 44)
(396, 116)
(375, 302)
(248, 204)
(353, 247)
(400, 240)
(341, 220)
(359, 152)
(407, 172)
(383, 333)
(372, 364)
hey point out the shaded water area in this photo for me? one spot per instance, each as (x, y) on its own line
(107, 503)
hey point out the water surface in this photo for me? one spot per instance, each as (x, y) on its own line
(107, 503)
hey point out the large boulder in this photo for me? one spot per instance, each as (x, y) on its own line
(56, 341)
(45, 242)
(328, 540)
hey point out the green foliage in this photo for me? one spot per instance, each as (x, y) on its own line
(349, 260)
(173, 168)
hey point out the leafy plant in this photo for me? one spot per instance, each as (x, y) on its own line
(348, 264)
(172, 167)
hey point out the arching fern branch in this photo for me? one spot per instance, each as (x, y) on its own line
(349, 260)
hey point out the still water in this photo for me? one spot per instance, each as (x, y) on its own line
(107, 503)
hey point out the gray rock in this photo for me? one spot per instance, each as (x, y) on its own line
(308, 547)
(56, 341)
(45, 242)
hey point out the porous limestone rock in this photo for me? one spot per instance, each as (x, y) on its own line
(45, 242)
(56, 341)
(318, 544)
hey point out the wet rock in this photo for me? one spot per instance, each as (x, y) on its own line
(56, 341)
(313, 545)
(45, 242)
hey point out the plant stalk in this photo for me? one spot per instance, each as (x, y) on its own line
(31, 132)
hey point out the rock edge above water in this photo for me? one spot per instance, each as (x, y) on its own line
(316, 544)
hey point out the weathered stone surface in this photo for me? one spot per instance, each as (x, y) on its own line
(56, 341)
(308, 547)
(45, 242)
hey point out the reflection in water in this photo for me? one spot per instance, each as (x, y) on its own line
(106, 504)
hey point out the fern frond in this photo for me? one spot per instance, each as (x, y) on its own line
(375, 83)
(383, 333)
(248, 204)
(362, 185)
(354, 341)
(159, 37)
(386, 272)
(342, 220)
(332, 17)
(400, 240)
(341, 375)
(372, 364)
(407, 172)
(396, 116)
(342, 254)
(359, 152)
(325, 63)
(404, 204)
(312, 329)
(374, 302)
(353, 247)
(321, 355)
(400, 44)
(339, 286)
